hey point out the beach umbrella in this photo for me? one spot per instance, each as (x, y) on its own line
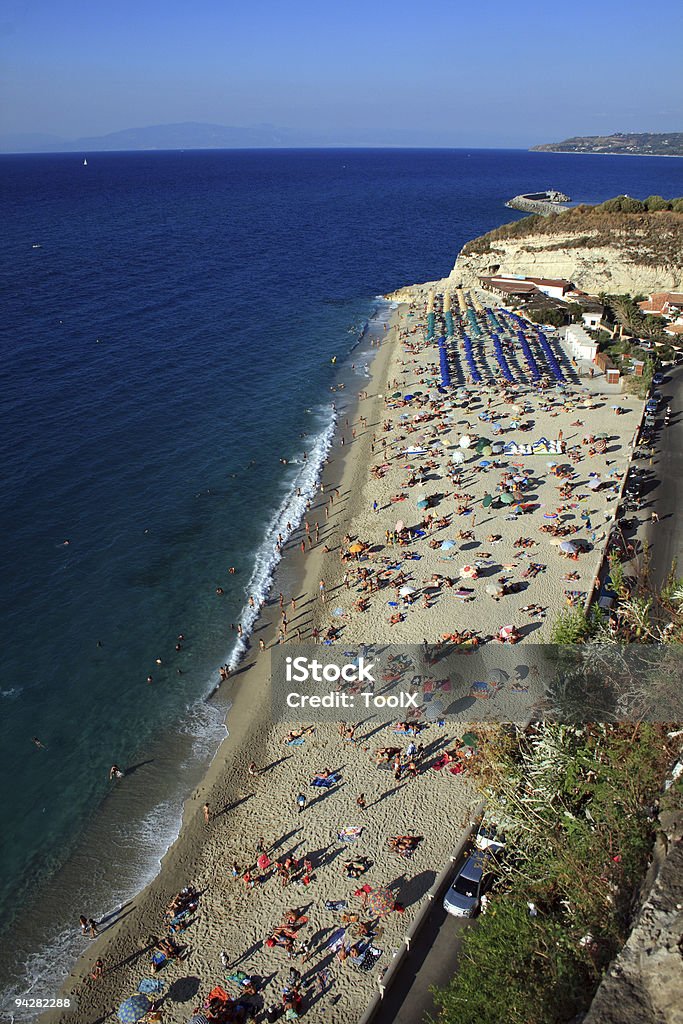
(506, 631)
(465, 441)
(446, 545)
(486, 501)
(495, 589)
(487, 450)
(506, 498)
(497, 676)
(484, 463)
(423, 503)
(400, 525)
(569, 547)
(133, 1009)
(594, 483)
(356, 548)
(263, 862)
(469, 572)
(457, 458)
(396, 394)
(517, 495)
(470, 740)
(406, 591)
(601, 446)
(497, 448)
(408, 398)
(380, 901)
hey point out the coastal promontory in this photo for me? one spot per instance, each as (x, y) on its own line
(621, 246)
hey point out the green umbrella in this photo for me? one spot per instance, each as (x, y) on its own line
(488, 450)
(423, 503)
(396, 394)
(507, 498)
(470, 740)
(487, 501)
(482, 443)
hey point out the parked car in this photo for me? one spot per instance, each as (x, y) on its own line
(463, 899)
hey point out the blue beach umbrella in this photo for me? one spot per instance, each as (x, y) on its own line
(133, 1009)
(446, 545)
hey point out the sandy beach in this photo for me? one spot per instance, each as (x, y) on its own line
(435, 560)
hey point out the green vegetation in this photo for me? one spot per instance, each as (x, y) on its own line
(647, 233)
(644, 143)
(575, 803)
(577, 806)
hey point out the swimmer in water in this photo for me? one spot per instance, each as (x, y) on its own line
(115, 772)
(36, 742)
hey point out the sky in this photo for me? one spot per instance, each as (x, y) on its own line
(428, 72)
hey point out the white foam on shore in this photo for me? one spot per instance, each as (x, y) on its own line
(291, 510)
(144, 842)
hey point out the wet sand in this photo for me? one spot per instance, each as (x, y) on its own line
(245, 807)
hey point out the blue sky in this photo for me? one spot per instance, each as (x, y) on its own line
(437, 72)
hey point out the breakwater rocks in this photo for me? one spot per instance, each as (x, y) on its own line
(545, 203)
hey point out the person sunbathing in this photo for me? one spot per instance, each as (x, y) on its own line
(356, 868)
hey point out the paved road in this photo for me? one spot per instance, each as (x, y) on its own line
(431, 961)
(663, 489)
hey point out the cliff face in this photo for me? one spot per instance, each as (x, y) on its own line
(644, 985)
(597, 249)
(592, 267)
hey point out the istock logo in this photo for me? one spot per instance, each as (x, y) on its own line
(301, 670)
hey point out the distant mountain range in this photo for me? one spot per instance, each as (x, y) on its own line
(195, 135)
(185, 135)
(629, 144)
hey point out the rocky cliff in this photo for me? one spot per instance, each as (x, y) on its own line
(599, 252)
(644, 985)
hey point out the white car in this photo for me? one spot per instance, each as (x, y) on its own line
(463, 899)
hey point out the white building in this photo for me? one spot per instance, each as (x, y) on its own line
(579, 344)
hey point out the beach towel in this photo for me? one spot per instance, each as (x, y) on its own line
(350, 834)
(336, 904)
(368, 960)
(325, 783)
(239, 977)
(158, 959)
(336, 940)
(296, 742)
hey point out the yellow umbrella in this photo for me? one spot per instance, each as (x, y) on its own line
(356, 548)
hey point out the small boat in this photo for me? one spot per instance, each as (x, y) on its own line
(85, 163)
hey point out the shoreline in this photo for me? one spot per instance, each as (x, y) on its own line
(243, 805)
(248, 717)
(578, 152)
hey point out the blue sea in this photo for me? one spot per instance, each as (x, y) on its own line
(168, 326)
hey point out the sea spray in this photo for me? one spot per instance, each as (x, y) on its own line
(284, 522)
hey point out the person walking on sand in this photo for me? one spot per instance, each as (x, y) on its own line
(654, 518)
(321, 590)
(360, 802)
(301, 802)
(97, 970)
(207, 813)
(253, 769)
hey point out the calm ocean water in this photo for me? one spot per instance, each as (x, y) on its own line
(168, 325)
